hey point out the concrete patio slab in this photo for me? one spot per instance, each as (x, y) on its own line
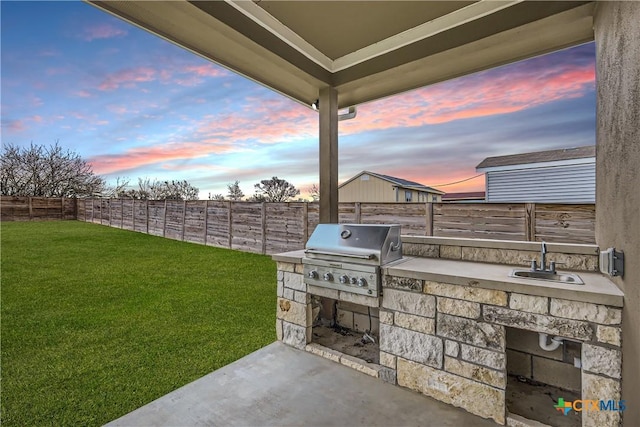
(282, 386)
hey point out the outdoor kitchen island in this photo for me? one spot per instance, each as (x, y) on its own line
(450, 323)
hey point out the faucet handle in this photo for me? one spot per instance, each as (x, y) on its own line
(534, 264)
(552, 265)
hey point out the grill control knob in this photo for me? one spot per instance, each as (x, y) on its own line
(344, 279)
(328, 277)
(354, 280)
(313, 274)
(362, 282)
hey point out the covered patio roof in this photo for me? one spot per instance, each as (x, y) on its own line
(364, 49)
(344, 53)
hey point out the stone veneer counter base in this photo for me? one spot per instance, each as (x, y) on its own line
(444, 313)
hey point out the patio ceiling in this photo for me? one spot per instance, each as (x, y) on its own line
(366, 50)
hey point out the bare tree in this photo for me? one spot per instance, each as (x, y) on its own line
(314, 192)
(216, 196)
(162, 190)
(119, 189)
(46, 172)
(257, 198)
(274, 190)
(177, 190)
(235, 193)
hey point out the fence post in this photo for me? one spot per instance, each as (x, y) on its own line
(530, 221)
(206, 218)
(146, 208)
(30, 209)
(263, 220)
(229, 226)
(164, 219)
(358, 213)
(62, 208)
(428, 219)
(184, 218)
(305, 225)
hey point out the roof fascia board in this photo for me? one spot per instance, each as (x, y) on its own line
(397, 184)
(424, 189)
(536, 165)
(284, 33)
(446, 22)
(354, 177)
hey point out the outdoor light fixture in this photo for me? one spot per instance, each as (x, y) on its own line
(316, 104)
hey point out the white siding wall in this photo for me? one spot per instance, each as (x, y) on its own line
(558, 184)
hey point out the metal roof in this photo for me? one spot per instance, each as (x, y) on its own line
(539, 157)
(365, 49)
(402, 183)
(469, 195)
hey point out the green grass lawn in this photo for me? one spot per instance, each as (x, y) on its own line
(98, 321)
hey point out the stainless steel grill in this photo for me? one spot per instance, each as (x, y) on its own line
(348, 257)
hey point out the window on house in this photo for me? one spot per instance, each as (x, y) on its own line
(408, 196)
(434, 198)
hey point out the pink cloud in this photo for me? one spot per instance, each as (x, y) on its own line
(82, 94)
(192, 75)
(274, 120)
(188, 81)
(127, 77)
(141, 156)
(117, 109)
(14, 125)
(102, 31)
(471, 98)
(206, 70)
(268, 122)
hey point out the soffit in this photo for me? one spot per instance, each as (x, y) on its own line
(366, 50)
(338, 28)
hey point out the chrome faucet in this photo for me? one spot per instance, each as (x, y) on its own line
(543, 262)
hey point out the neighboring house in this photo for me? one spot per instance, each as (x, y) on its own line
(374, 187)
(555, 176)
(468, 197)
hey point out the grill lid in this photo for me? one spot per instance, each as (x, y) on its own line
(358, 243)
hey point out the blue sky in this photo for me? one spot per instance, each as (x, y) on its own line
(136, 106)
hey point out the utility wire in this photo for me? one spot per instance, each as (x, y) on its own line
(458, 182)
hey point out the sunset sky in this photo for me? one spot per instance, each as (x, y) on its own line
(136, 106)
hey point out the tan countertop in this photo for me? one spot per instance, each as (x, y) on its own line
(596, 289)
(293, 256)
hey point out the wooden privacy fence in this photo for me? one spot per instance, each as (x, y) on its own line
(278, 227)
(19, 208)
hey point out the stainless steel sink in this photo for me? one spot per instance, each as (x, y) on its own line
(572, 279)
